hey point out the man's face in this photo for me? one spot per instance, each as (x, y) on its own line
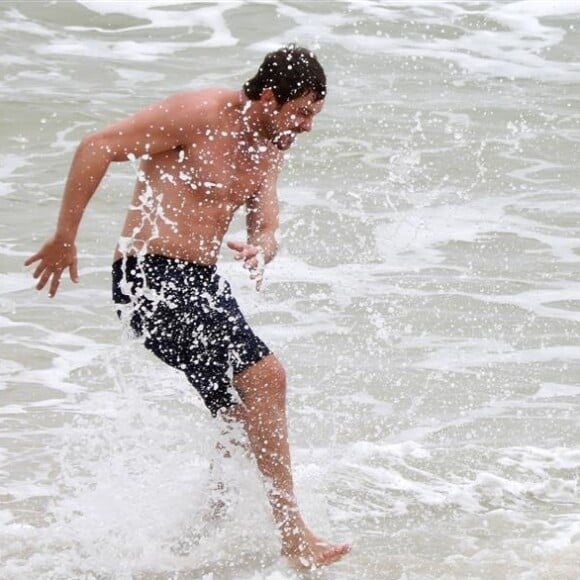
(292, 118)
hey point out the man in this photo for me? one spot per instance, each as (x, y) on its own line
(204, 155)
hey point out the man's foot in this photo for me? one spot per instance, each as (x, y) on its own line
(222, 500)
(311, 553)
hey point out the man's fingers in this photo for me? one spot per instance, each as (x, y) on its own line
(53, 259)
(258, 276)
(43, 279)
(32, 259)
(50, 275)
(54, 284)
(236, 246)
(74, 271)
(39, 270)
(251, 263)
(253, 257)
(243, 250)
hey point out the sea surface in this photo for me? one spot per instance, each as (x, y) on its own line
(425, 302)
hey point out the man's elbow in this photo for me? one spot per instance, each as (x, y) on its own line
(97, 146)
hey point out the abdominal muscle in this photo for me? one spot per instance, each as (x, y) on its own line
(177, 223)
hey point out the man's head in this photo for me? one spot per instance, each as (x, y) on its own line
(290, 86)
(289, 72)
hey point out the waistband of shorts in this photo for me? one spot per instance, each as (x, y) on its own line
(158, 260)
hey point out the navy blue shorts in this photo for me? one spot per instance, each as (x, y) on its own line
(190, 320)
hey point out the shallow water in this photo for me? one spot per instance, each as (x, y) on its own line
(425, 302)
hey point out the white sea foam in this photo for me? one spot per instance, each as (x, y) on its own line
(208, 17)
(125, 49)
(9, 164)
(14, 21)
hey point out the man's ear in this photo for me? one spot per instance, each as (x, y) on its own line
(268, 99)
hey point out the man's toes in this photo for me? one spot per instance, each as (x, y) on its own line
(337, 552)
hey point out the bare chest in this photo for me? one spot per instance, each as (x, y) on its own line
(220, 169)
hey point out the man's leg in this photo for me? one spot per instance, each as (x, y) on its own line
(263, 415)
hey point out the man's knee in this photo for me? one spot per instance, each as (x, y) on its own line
(277, 377)
(266, 378)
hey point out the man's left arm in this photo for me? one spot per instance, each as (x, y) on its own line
(262, 220)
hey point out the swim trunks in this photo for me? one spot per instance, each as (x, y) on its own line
(190, 320)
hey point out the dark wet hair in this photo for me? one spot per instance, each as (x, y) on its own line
(291, 71)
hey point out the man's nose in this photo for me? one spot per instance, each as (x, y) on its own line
(305, 126)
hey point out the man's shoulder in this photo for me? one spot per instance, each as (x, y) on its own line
(190, 113)
(208, 101)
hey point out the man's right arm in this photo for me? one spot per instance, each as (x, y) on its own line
(161, 127)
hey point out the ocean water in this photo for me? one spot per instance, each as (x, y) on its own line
(426, 300)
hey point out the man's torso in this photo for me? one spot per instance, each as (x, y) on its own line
(185, 198)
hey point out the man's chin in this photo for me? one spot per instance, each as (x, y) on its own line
(284, 141)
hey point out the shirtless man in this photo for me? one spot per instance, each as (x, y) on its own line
(203, 155)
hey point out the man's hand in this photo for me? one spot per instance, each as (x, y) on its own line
(253, 258)
(55, 257)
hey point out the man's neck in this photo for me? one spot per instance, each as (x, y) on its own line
(252, 127)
